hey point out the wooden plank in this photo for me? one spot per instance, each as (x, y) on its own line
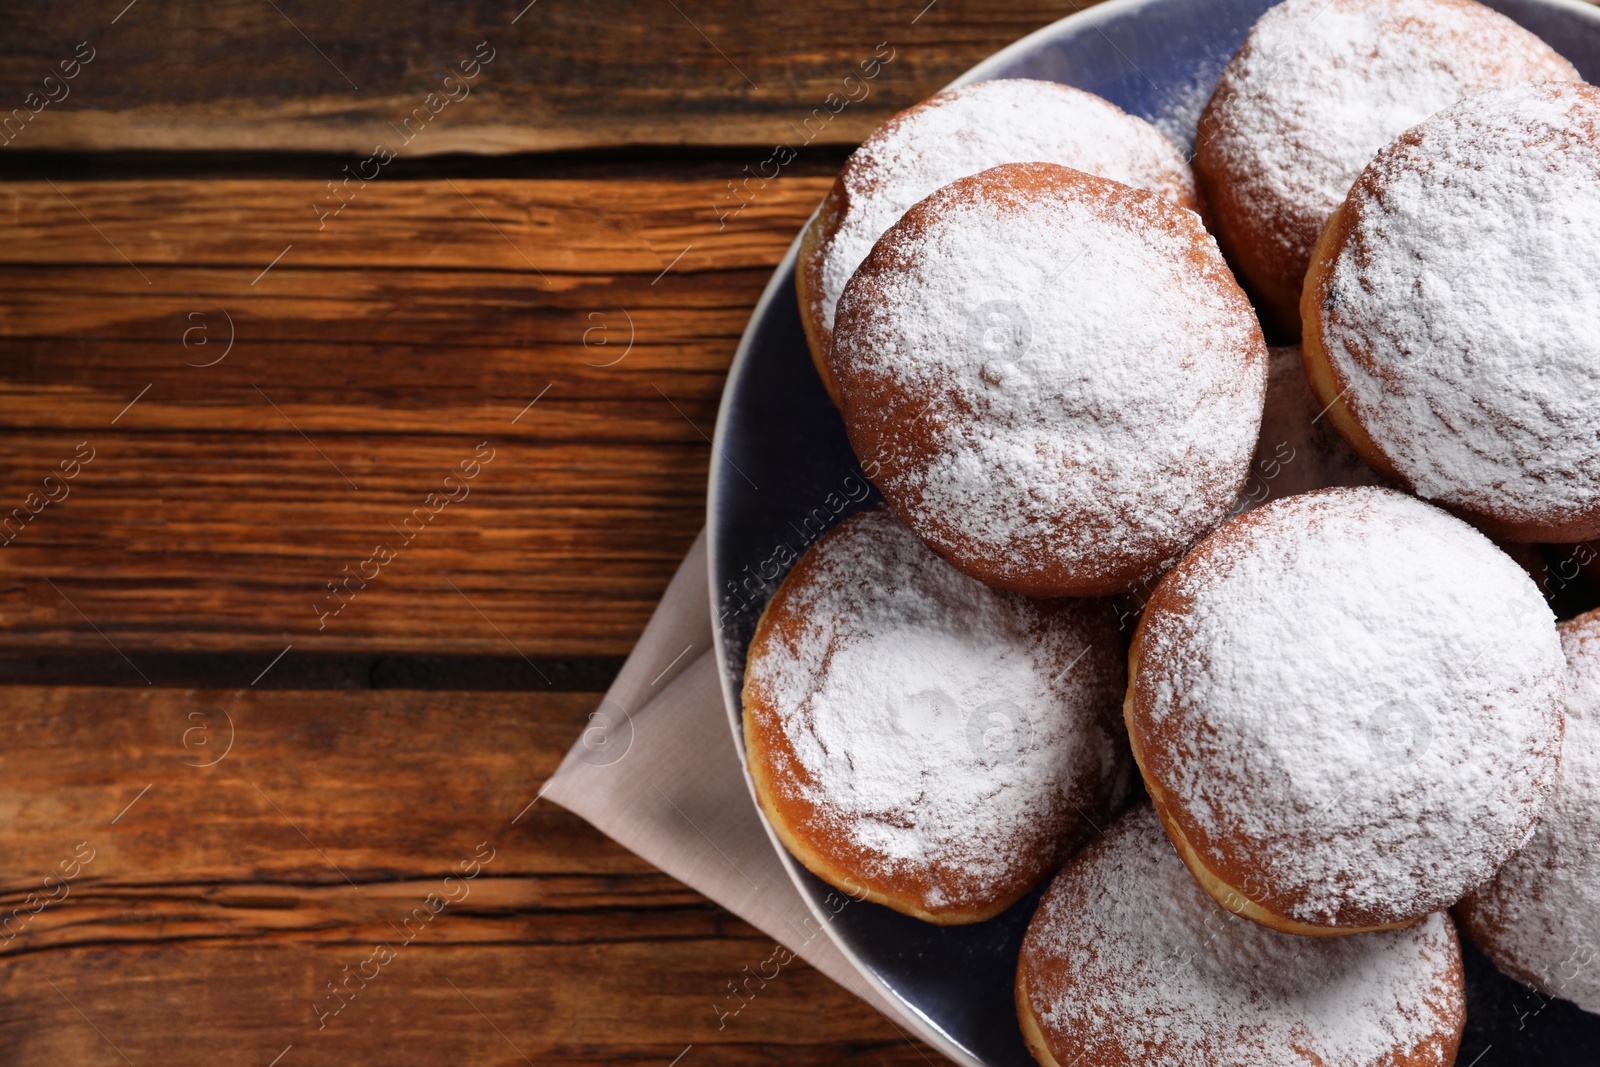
(298, 76)
(583, 227)
(386, 783)
(605, 1003)
(229, 542)
(375, 357)
(208, 907)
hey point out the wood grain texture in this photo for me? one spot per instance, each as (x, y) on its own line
(379, 333)
(298, 76)
(374, 357)
(590, 1005)
(215, 909)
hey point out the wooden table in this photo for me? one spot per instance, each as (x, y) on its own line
(284, 284)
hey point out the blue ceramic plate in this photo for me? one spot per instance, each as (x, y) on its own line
(783, 473)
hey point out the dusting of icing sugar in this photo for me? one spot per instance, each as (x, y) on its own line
(1540, 917)
(1463, 312)
(1158, 972)
(973, 128)
(1051, 378)
(1321, 85)
(946, 728)
(1360, 699)
(1179, 113)
(1299, 450)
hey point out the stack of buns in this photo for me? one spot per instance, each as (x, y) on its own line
(1289, 586)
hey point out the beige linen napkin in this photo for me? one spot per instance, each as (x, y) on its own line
(656, 770)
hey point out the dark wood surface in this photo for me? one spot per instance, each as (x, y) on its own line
(577, 230)
(368, 363)
(564, 74)
(206, 921)
(583, 230)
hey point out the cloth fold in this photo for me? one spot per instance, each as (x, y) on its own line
(656, 770)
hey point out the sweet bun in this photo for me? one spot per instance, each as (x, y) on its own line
(921, 740)
(1128, 961)
(1053, 376)
(1452, 312)
(1299, 450)
(1346, 708)
(956, 133)
(1539, 920)
(1317, 88)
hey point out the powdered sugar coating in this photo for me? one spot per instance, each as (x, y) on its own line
(1057, 376)
(942, 735)
(1128, 960)
(1462, 311)
(1539, 919)
(1299, 450)
(970, 129)
(1320, 86)
(1351, 699)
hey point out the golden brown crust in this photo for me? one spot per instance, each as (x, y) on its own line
(1267, 235)
(1071, 972)
(1490, 938)
(1438, 1049)
(1331, 387)
(1178, 187)
(1032, 1034)
(808, 285)
(1327, 383)
(1175, 739)
(898, 446)
(819, 837)
(786, 815)
(1533, 920)
(1269, 270)
(1229, 896)
(1225, 873)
